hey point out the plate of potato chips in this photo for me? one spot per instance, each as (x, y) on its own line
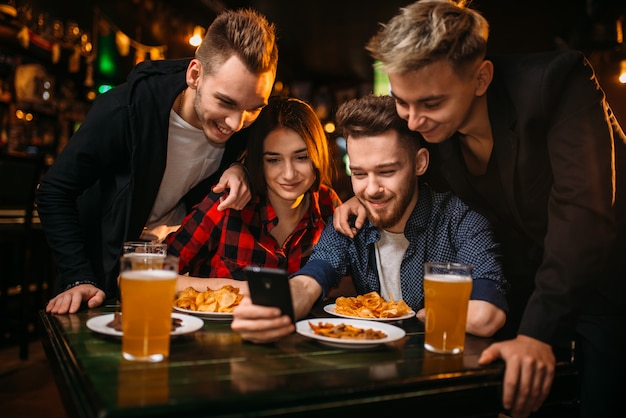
(370, 306)
(209, 304)
(349, 333)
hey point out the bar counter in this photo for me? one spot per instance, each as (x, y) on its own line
(212, 372)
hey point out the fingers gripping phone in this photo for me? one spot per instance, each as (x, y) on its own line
(270, 287)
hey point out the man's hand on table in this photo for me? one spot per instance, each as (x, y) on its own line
(71, 300)
(529, 372)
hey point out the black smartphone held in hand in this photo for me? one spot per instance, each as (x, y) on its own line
(270, 287)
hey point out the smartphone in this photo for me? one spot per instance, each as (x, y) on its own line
(270, 287)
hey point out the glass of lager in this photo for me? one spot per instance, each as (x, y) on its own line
(140, 251)
(147, 298)
(447, 288)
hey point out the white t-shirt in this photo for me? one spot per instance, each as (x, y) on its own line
(391, 249)
(190, 159)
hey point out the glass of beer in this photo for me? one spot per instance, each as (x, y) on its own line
(147, 298)
(140, 251)
(447, 288)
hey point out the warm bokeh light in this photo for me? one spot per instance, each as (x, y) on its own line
(329, 127)
(196, 38)
(622, 73)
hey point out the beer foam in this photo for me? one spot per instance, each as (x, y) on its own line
(149, 275)
(144, 255)
(449, 278)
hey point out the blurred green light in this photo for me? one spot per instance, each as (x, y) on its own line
(103, 88)
(381, 80)
(107, 65)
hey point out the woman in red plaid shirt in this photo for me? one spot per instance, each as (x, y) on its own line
(290, 171)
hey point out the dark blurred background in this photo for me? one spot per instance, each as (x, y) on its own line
(321, 41)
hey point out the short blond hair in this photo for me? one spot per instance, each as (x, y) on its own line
(428, 31)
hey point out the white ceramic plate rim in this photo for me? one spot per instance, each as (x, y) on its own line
(206, 315)
(99, 324)
(393, 332)
(331, 310)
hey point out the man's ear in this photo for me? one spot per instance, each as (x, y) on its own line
(484, 75)
(422, 158)
(194, 72)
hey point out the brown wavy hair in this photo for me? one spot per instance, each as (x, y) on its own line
(299, 116)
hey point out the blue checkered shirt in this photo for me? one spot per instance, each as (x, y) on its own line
(440, 228)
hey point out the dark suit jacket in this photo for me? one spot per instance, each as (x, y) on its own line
(561, 219)
(101, 188)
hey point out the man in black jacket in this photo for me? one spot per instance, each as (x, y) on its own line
(530, 142)
(150, 149)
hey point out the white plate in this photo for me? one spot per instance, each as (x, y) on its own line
(99, 324)
(331, 310)
(220, 316)
(393, 332)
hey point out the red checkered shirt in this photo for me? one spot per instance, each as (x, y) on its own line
(211, 243)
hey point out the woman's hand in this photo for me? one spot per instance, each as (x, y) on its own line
(234, 184)
(342, 216)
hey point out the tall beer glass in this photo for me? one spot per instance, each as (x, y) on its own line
(147, 298)
(447, 288)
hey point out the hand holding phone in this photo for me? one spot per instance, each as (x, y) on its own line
(270, 287)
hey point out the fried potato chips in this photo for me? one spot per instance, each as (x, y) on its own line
(346, 331)
(223, 299)
(371, 305)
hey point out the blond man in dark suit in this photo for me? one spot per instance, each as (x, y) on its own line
(530, 142)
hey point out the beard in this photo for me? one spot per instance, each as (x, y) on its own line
(388, 217)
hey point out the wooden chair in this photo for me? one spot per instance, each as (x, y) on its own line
(19, 177)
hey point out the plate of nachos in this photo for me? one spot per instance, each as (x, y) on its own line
(370, 306)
